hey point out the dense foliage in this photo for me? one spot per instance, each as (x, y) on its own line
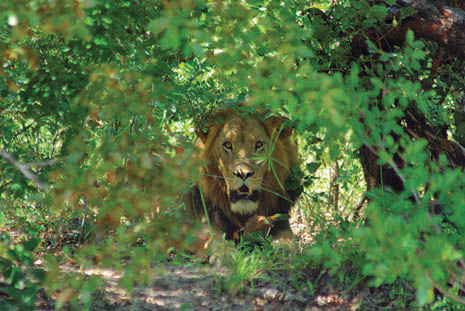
(98, 103)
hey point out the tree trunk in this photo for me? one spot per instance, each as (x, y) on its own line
(431, 21)
(377, 175)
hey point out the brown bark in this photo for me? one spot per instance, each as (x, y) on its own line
(379, 176)
(417, 127)
(432, 21)
(438, 143)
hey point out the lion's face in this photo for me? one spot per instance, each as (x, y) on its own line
(247, 160)
(239, 146)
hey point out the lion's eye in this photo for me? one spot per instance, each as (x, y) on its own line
(258, 145)
(227, 145)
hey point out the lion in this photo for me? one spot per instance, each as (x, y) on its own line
(248, 173)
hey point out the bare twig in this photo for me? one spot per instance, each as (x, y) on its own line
(356, 211)
(83, 224)
(333, 185)
(37, 140)
(41, 163)
(346, 204)
(445, 291)
(24, 129)
(57, 133)
(4, 184)
(133, 123)
(24, 170)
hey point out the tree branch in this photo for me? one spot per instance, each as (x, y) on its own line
(431, 21)
(24, 170)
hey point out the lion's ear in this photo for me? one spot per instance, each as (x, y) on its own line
(208, 125)
(202, 127)
(276, 123)
(201, 132)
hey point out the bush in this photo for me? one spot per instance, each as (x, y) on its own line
(98, 101)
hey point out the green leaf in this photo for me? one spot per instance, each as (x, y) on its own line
(409, 37)
(281, 217)
(39, 274)
(87, 4)
(31, 244)
(89, 21)
(312, 167)
(107, 20)
(100, 41)
(425, 293)
(379, 12)
(158, 25)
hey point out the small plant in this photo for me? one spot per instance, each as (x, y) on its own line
(245, 268)
(21, 280)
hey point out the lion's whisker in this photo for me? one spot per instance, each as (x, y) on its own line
(218, 176)
(275, 193)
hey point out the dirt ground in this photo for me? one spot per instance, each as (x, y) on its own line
(195, 287)
(198, 287)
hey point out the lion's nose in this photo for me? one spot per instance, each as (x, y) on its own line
(243, 174)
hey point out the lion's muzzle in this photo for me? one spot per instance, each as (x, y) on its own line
(244, 200)
(244, 193)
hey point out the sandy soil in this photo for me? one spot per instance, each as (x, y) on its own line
(195, 287)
